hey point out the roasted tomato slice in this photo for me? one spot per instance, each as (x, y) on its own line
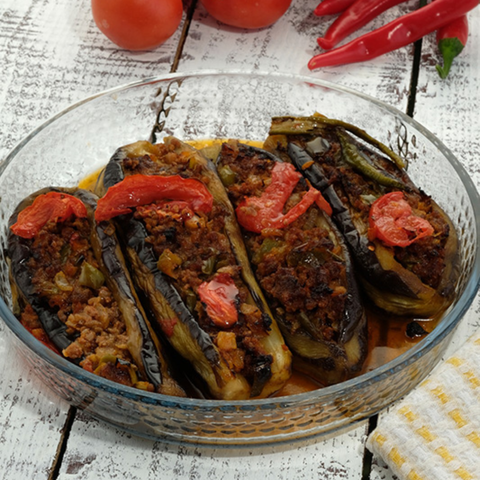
(256, 213)
(220, 298)
(52, 206)
(138, 190)
(392, 221)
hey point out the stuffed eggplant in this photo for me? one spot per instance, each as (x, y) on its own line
(72, 290)
(188, 258)
(300, 261)
(404, 245)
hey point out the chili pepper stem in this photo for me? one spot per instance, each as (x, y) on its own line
(449, 48)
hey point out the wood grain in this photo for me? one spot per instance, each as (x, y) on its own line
(53, 55)
(29, 414)
(98, 451)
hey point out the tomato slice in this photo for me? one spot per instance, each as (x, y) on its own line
(136, 190)
(392, 221)
(219, 297)
(50, 207)
(257, 213)
(322, 204)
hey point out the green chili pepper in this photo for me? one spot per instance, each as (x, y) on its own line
(316, 125)
(353, 157)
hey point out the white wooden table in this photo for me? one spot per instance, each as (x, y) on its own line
(51, 55)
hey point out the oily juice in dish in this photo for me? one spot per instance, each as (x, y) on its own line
(387, 336)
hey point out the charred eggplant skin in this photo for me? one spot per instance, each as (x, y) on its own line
(143, 345)
(187, 337)
(390, 285)
(329, 361)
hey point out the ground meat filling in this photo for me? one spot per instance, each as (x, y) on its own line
(299, 267)
(425, 256)
(192, 249)
(165, 161)
(66, 276)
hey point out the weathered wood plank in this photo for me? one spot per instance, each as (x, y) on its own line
(99, 451)
(29, 414)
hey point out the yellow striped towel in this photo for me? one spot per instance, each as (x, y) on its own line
(434, 432)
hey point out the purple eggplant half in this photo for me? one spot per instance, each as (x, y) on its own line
(414, 278)
(71, 288)
(300, 261)
(192, 268)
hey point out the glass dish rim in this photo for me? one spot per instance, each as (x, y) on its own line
(446, 324)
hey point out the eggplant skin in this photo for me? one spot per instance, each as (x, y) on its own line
(267, 372)
(142, 344)
(327, 344)
(391, 284)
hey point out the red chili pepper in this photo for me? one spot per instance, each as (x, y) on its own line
(354, 17)
(451, 39)
(257, 213)
(392, 221)
(331, 7)
(50, 207)
(137, 190)
(219, 296)
(398, 33)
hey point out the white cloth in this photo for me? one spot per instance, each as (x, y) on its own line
(434, 432)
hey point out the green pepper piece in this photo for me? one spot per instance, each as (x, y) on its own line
(65, 253)
(90, 276)
(208, 266)
(355, 158)
(267, 246)
(227, 175)
(168, 263)
(191, 300)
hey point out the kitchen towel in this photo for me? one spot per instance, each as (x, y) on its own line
(434, 432)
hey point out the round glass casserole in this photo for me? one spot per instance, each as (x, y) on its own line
(81, 139)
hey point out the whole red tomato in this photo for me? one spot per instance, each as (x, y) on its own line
(137, 24)
(247, 13)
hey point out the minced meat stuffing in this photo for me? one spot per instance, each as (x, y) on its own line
(192, 248)
(60, 252)
(299, 267)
